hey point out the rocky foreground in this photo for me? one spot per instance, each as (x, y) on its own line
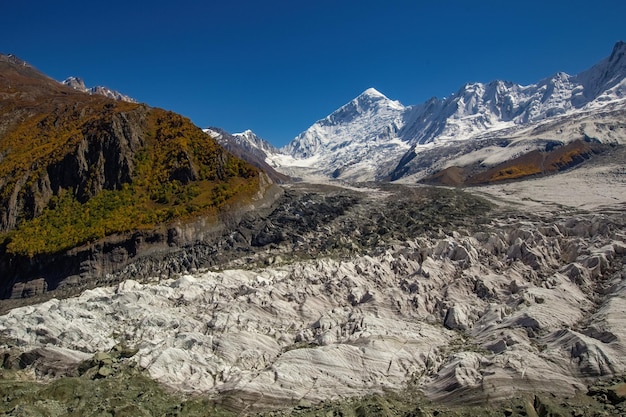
(341, 293)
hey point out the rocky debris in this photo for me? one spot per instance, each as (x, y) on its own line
(297, 221)
(105, 364)
(408, 403)
(596, 184)
(45, 362)
(612, 393)
(51, 362)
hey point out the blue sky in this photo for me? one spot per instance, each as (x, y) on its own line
(278, 66)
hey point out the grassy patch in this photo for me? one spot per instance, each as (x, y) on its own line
(126, 393)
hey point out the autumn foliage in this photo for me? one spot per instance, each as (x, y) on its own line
(76, 168)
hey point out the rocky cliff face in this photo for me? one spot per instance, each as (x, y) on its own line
(101, 157)
(56, 139)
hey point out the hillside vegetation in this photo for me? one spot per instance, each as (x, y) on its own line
(75, 168)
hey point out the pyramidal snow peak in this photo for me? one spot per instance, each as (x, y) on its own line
(370, 112)
(372, 136)
(352, 138)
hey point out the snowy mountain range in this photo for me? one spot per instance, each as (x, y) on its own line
(78, 84)
(374, 138)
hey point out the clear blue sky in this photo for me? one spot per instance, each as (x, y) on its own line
(278, 66)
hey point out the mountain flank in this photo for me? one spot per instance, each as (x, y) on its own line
(77, 168)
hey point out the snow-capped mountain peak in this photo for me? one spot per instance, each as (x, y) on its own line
(246, 139)
(605, 81)
(251, 138)
(372, 95)
(370, 99)
(353, 137)
(76, 83)
(248, 146)
(351, 140)
(372, 92)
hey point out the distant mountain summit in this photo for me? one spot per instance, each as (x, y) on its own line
(354, 139)
(251, 148)
(374, 138)
(249, 138)
(79, 85)
(477, 107)
(364, 119)
(605, 81)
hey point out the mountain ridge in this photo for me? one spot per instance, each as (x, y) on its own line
(79, 85)
(249, 147)
(370, 137)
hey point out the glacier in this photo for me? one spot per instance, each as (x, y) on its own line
(525, 303)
